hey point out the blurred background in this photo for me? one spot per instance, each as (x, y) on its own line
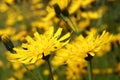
(19, 18)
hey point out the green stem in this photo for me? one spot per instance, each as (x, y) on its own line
(30, 72)
(62, 17)
(50, 68)
(66, 21)
(38, 73)
(73, 24)
(89, 67)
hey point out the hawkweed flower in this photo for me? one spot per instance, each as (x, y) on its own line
(8, 31)
(81, 50)
(65, 7)
(80, 47)
(39, 46)
(76, 4)
(58, 5)
(93, 42)
(74, 70)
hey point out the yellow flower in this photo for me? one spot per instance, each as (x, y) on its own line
(35, 1)
(9, 1)
(7, 31)
(41, 44)
(51, 12)
(11, 78)
(61, 3)
(3, 7)
(20, 36)
(71, 5)
(74, 70)
(93, 42)
(78, 49)
(83, 24)
(94, 14)
(1, 64)
(76, 4)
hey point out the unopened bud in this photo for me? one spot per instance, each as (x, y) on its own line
(65, 12)
(57, 9)
(8, 43)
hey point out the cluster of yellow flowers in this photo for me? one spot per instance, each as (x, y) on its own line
(59, 30)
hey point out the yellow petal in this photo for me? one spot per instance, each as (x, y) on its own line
(50, 32)
(65, 42)
(64, 37)
(37, 36)
(92, 54)
(29, 39)
(75, 4)
(58, 33)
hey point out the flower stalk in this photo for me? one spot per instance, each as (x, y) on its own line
(89, 66)
(38, 73)
(32, 74)
(50, 69)
(46, 58)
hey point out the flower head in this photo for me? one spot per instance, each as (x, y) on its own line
(40, 44)
(80, 47)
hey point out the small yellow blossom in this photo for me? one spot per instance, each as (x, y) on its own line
(93, 14)
(96, 71)
(46, 72)
(3, 7)
(35, 1)
(60, 3)
(76, 4)
(18, 74)
(11, 78)
(9, 1)
(50, 9)
(1, 64)
(7, 31)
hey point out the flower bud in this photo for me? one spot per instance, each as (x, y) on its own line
(8, 43)
(57, 9)
(65, 12)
